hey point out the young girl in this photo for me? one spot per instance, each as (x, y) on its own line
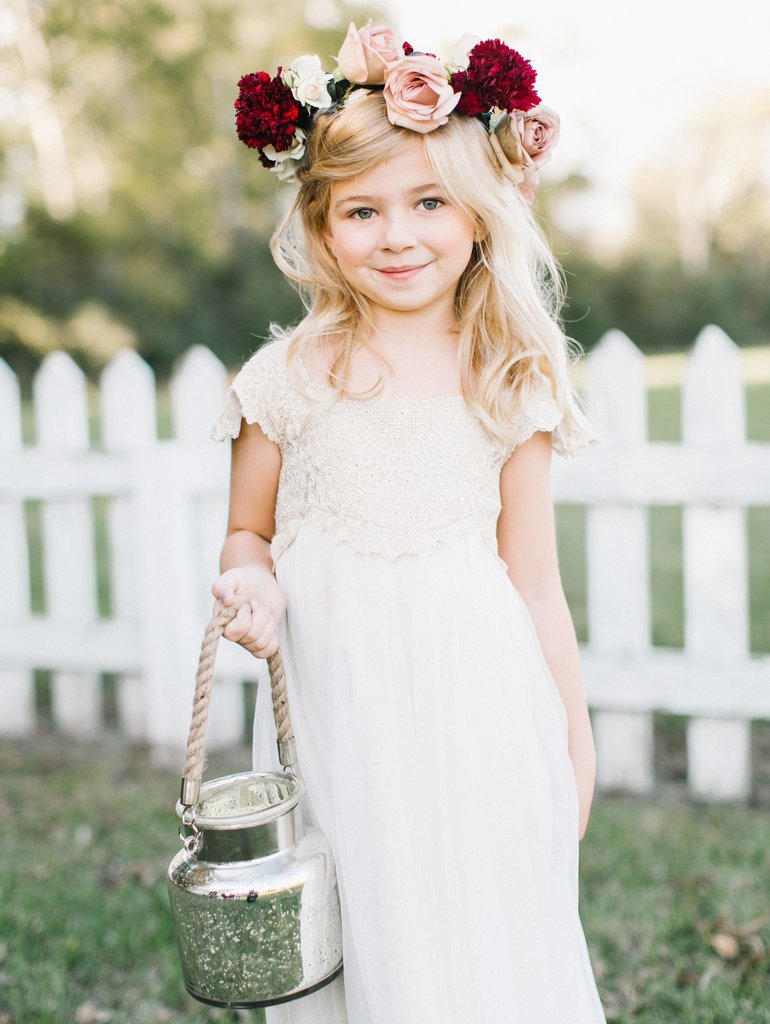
(391, 527)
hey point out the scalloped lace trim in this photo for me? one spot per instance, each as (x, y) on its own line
(369, 541)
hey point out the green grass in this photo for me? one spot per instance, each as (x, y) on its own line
(86, 838)
(664, 886)
(87, 834)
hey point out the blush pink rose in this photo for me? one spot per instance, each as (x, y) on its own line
(540, 133)
(366, 53)
(418, 93)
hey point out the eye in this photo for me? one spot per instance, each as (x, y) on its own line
(365, 211)
(434, 203)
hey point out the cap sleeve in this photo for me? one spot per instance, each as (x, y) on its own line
(257, 395)
(572, 432)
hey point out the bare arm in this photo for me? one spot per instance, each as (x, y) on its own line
(526, 536)
(246, 563)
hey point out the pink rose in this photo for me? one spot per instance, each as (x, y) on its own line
(540, 133)
(418, 93)
(366, 52)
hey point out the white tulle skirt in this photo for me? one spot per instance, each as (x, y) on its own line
(433, 744)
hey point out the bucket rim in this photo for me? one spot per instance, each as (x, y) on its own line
(250, 819)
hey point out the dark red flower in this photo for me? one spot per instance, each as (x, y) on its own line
(472, 101)
(408, 49)
(497, 76)
(266, 113)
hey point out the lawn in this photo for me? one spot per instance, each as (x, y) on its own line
(673, 896)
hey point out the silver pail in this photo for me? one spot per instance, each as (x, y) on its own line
(253, 892)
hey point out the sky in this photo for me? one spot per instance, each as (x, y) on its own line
(625, 78)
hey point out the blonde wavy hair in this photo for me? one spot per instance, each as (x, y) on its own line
(508, 300)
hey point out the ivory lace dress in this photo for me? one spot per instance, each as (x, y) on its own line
(430, 732)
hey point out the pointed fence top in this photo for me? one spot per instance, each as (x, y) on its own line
(10, 409)
(197, 391)
(616, 399)
(127, 395)
(713, 401)
(61, 404)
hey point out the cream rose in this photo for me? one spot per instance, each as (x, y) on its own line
(540, 133)
(366, 53)
(287, 161)
(308, 82)
(461, 50)
(418, 93)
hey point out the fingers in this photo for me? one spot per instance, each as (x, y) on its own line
(254, 628)
(230, 583)
(222, 592)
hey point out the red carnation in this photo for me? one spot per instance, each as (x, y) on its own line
(497, 76)
(266, 113)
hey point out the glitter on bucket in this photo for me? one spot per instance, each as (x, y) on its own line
(244, 795)
(255, 905)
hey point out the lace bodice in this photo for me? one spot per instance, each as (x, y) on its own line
(390, 475)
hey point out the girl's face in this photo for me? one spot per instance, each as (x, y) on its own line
(396, 237)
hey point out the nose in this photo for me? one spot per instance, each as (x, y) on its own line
(397, 232)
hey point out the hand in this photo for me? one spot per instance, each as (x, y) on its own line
(255, 626)
(585, 813)
(585, 777)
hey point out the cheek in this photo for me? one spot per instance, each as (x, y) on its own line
(352, 246)
(456, 237)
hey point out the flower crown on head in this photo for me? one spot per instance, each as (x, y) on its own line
(484, 79)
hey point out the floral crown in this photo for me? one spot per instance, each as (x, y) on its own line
(484, 79)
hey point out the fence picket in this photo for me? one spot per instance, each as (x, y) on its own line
(197, 393)
(18, 716)
(128, 415)
(716, 565)
(61, 416)
(618, 562)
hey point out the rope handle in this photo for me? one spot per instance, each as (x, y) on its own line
(196, 741)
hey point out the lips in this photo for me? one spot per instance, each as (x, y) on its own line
(402, 273)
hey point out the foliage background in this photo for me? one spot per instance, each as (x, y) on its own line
(131, 215)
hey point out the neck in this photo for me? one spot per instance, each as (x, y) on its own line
(397, 330)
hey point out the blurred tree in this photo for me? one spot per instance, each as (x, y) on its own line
(706, 194)
(700, 248)
(131, 214)
(123, 186)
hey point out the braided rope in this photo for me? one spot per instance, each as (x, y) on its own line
(280, 697)
(196, 740)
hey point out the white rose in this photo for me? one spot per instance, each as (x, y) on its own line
(288, 160)
(286, 170)
(458, 59)
(308, 81)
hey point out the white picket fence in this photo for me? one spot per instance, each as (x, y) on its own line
(166, 520)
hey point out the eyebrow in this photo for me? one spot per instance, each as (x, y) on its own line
(430, 187)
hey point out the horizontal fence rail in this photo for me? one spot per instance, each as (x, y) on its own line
(162, 520)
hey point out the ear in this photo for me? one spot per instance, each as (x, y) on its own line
(329, 242)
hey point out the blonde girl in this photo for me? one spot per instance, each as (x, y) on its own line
(391, 528)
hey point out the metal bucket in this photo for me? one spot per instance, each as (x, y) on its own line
(254, 892)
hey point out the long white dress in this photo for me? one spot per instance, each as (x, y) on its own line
(430, 732)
